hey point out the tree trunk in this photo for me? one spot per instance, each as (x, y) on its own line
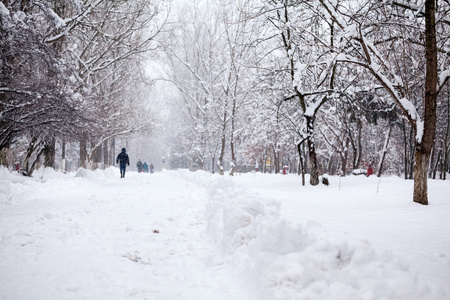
(233, 154)
(446, 150)
(357, 149)
(36, 162)
(276, 160)
(222, 152)
(358, 160)
(411, 154)
(384, 151)
(430, 161)
(444, 175)
(34, 144)
(435, 167)
(344, 157)
(314, 171)
(425, 143)
(113, 152)
(83, 152)
(105, 155)
(421, 177)
(406, 149)
(264, 161)
(63, 156)
(97, 157)
(301, 163)
(223, 142)
(49, 153)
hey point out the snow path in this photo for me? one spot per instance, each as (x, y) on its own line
(194, 235)
(110, 238)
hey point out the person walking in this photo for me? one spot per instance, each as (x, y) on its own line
(124, 160)
(145, 167)
(139, 166)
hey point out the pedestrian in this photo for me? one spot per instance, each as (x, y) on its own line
(151, 168)
(139, 166)
(124, 160)
(145, 166)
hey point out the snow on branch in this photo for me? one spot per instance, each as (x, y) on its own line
(443, 78)
(4, 12)
(57, 21)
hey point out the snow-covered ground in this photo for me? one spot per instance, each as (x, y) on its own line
(184, 235)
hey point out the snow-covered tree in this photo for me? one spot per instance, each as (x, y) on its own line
(402, 45)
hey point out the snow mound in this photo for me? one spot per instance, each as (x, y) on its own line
(83, 173)
(5, 190)
(97, 174)
(286, 261)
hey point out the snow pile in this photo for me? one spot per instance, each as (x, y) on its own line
(110, 172)
(284, 261)
(5, 191)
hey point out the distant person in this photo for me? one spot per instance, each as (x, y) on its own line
(151, 168)
(139, 166)
(145, 167)
(124, 160)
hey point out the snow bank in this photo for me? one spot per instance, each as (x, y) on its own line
(283, 261)
(97, 174)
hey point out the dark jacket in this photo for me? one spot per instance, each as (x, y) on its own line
(123, 159)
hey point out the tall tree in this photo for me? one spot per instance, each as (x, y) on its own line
(371, 34)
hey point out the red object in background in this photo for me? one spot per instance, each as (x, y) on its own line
(369, 170)
(285, 170)
(17, 165)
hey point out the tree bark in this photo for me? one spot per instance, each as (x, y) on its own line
(49, 153)
(446, 150)
(276, 160)
(63, 156)
(223, 139)
(411, 153)
(233, 154)
(105, 154)
(406, 148)
(112, 157)
(301, 163)
(314, 171)
(34, 144)
(344, 157)
(357, 149)
(222, 153)
(384, 151)
(424, 144)
(436, 164)
(420, 177)
(36, 162)
(83, 152)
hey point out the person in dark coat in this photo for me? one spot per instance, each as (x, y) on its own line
(124, 160)
(139, 166)
(145, 167)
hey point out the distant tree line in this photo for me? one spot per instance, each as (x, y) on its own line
(72, 73)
